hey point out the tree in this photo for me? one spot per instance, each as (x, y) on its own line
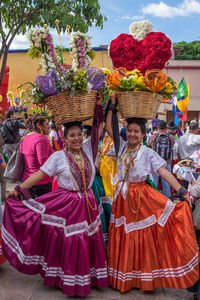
(189, 51)
(18, 16)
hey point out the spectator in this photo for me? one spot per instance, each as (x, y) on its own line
(10, 132)
(36, 150)
(189, 142)
(163, 143)
(123, 131)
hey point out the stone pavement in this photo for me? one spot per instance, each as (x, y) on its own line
(17, 286)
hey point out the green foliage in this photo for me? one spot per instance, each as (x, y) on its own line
(20, 16)
(190, 51)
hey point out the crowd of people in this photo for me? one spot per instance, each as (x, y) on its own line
(83, 218)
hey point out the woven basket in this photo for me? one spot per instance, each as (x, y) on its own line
(138, 104)
(77, 108)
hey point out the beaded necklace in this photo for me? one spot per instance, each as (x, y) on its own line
(79, 160)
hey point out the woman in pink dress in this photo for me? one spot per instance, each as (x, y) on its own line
(36, 150)
(59, 235)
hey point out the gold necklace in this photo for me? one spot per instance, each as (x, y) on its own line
(81, 166)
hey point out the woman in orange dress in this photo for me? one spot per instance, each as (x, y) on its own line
(151, 241)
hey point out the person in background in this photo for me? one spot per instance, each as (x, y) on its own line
(186, 126)
(189, 142)
(36, 150)
(163, 143)
(10, 132)
(123, 130)
(155, 121)
(174, 130)
(54, 138)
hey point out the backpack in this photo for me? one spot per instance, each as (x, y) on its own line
(162, 145)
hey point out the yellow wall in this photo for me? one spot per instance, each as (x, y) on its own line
(23, 68)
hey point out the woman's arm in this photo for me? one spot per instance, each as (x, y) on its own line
(108, 125)
(29, 182)
(167, 176)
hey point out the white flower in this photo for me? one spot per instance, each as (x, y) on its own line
(89, 87)
(51, 65)
(37, 45)
(140, 29)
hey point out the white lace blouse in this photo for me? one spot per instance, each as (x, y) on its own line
(147, 162)
(57, 165)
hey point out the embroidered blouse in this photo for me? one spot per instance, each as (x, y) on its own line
(146, 162)
(66, 170)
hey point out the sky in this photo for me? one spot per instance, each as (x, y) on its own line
(178, 19)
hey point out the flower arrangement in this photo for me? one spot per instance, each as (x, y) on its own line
(122, 80)
(140, 29)
(42, 46)
(17, 104)
(75, 82)
(40, 110)
(142, 50)
(80, 50)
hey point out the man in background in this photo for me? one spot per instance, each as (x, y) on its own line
(10, 132)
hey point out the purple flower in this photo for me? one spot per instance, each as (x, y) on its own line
(81, 48)
(54, 74)
(52, 53)
(96, 77)
(82, 60)
(82, 65)
(81, 54)
(78, 39)
(46, 84)
(51, 47)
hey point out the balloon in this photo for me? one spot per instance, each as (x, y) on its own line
(155, 80)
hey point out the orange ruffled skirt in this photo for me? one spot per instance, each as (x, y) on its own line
(159, 250)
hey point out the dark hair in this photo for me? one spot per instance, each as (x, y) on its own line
(53, 125)
(88, 130)
(69, 125)
(8, 114)
(162, 125)
(193, 125)
(38, 120)
(139, 121)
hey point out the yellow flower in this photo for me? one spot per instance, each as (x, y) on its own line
(129, 73)
(68, 27)
(57, 21)
(45, 26)
(106, 71)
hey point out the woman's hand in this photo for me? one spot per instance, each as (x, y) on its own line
(13, 193)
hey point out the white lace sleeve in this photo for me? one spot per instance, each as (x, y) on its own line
(54, 164)
(156, 161)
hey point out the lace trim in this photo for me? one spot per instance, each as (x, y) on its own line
(146, 222)
(83, 227)
(117, 191)
(107, 200)
(114, 180)
(100, 208)
(53, 220)
(133, 226)
(34, 205)
(168, 272)
(70, 280)
(61, 222)
(166, 213)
